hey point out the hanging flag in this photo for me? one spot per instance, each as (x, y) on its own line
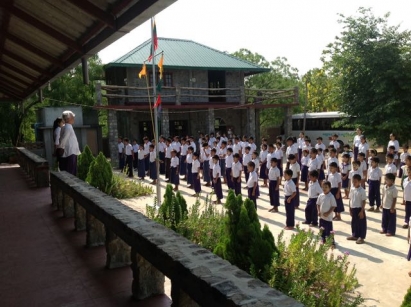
(154, 39)
(159, 85)
(143, 71)
(160, 66)
(158, 101)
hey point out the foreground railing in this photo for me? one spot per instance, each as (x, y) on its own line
(36, 167)
(198, 277)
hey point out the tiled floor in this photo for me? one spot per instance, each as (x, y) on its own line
(43, 261)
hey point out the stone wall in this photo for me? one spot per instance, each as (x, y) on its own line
(198, 277)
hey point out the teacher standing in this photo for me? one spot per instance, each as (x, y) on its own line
(68, 141)
(357, 142)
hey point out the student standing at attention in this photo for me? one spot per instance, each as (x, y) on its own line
(290, 193)
(174, 170)
(195, 171)
(407, 198)
(141, 170)
(326, 204)
(274, 177)
(314, 190)
(295, 168)
(218, 190)
(336, 182)
(374, 183)
(389, 214)
(128, 149)
(236, 170)
(189, 160)
(357, 211)
(153, 166)
(228, 165)
(252, 183)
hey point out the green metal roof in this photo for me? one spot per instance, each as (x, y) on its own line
(186, 54)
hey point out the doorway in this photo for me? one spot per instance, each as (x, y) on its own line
(216, 79)
(178, 128)
(146, 130)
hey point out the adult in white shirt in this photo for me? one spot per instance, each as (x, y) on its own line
(406, 184)
(394, 142)
(357, 142)
(68, 141)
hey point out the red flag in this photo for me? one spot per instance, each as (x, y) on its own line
(154, 41)
(158, 101)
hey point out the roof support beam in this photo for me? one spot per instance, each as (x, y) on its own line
(27, 18)
(12, 84)
(26, 63)
(94, 11)
(4, 27)
(8, 92)
(84, 67)
(34, 50)
(11, 76)
(18, 71)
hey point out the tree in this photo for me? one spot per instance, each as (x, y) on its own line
(83, 163)
(281, 76)
(371, 65)
(100, 174)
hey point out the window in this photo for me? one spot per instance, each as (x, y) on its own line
(167, 79)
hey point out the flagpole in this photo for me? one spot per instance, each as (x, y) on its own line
(158, 187)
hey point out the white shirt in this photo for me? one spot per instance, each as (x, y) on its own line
(289, 187)
(246, 159)
(205, 154)
(147, 148)
(253, 147)
(57, 135)
(321, 145)
(336, 144)
(128, 149)
(252, 179)
(406, 184)
(388, 195)
(278, 153)
(353, 172)
(135, 148)
(268, 159)
(184, 149)
(175, 161)
(176, 146)
(326, 202)
(274, 174)
(293, 149)
(390, 168)
(357, 197)
(345, 168)
(222, 153)
(168, 150)
(193, 144)
(236, 169)
(237, 148)
(320, 159)
(363, 147)
(304, 160)
(152, 156)
(395, 144)
(195, 166)
(307, 147)
(334, 179)
(216, 171)
(313, 164)
(243, 146)
(374, 174)
(329, 161)
(229, 161)
(363, 167)
(263, 156)
(120, 147)
(296, 169)
(189, 158)
(314, 189)
(140, 154)
(256, 163)
(300, 142)
(68, 141)
(161, 147)
(404, 156)
(357, 140)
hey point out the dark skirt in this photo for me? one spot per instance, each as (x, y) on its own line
(129, 164)
(358, 226)
(407, 212)
(289, 211)
(167, 167)
(321, 175)
(355, 153)
(327, 228)
(206, 172)
(280, 167)
(400, 172)
(174, 176)
(153, 170)
(311, 213)
(300, 154)
(251, 197)
(196, 183)
(345, 182)
(340, 204)
(162, 157)
(374, 193)
(141, 168)
(120, 161)
(218, 190)
(263, 171)
(147, 162)
(228, 178)
(71, 164)
(274, 194)
(389, 221)
(237, 186)
(183, 165)
(189, 174)
(246, 174)
(304, 173)
(222, 166)
(135, 162)
(296, 199)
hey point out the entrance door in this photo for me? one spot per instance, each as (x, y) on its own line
(146, 129)
(216, 79)
(178, 128)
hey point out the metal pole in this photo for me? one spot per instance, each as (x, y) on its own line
(158, 187)
(305, 104)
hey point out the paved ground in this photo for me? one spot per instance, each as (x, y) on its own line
(43, 262)
(382, 268)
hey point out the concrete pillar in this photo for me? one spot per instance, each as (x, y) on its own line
(180, 298)
(147, 280)
(68, 206)
(242, 94)
(288, 121)
(113, 136)
(96, 234)
(251, 123)
(165, 123)
(118, 252)
(210, 121)
(257, 126)
(178, 95)
(79, 217)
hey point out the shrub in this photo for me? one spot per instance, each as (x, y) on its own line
(310, 272)
(100, 174)
(243, 242)
(123, 188)
(83, 163)
(407, 299)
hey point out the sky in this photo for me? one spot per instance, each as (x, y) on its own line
(298, 30)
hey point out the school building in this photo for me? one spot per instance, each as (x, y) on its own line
(203, 91)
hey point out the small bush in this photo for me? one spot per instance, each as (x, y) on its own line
(122, 188)
(83, 163)
(100, 174)
(309, 271)
(407, 299)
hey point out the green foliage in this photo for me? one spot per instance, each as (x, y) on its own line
(123, 188)
(243, 242)
(407, 299)
(281, 76)
(370, 63)
(100, 174)
(309, 271)
(83, 163)
(173, 209)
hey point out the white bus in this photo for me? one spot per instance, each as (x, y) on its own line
(321, 124)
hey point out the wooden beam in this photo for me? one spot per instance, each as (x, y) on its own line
(94, 11)
(8, 92)
(18, 71)
(27, 18)
(34, 49)
(27, 63)
(12, 84)
(11, 76)
(84, 68)
(4, 27)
